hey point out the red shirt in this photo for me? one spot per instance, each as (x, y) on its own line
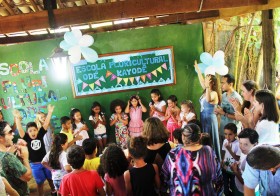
(83, 183)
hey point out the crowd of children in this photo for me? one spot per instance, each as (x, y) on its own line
(132, 166)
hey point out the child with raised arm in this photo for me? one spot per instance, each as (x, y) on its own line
(135, 108)
(36, 148)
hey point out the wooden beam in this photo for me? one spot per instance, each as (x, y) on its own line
(171, 19)
(114, 11)
(8, 7)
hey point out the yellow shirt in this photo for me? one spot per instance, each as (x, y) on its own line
(69, 134)
(91, 164)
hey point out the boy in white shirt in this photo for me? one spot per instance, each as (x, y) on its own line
(230, 154)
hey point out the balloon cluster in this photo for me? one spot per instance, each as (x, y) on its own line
(212, 65)
(77, 44)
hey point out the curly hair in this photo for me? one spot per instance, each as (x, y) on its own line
(137, 147)
(114, 161)
(155, 131)
(56, 150)
(115, 103)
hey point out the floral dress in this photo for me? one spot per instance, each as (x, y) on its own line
(121, 131)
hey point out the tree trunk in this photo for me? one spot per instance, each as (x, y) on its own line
(237, 53)
(268, 49)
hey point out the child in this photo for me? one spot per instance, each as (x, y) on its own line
(66, 129)
(135, 108)
(230, 154)
(177, 137)
(172, 115)
(91, 162)
(157, 105)
(98, 122)
(80, 181)
(248, 138)
(187, 113)
(114, 165)
(205, 139)
(55, 160)
(36, 148)
(40, 120)
(143, 177)
(120, 120)
(78, 125)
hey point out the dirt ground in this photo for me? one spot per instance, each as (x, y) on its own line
(33, 188)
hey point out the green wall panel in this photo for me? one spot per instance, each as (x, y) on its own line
(187, 41)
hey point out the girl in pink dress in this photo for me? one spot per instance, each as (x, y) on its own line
(172, 115)
(135, 108)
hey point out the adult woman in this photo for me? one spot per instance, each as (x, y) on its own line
(248, 90)
(192, 169)
(267, 125)
(158, 145)
(209, 99)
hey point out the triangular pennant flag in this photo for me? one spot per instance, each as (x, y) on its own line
(137, 78)
(84, 85)
(108, 73)
(97, 82)
(125, 80)
(149, 75)
(119, 80)
(91, 86)
(113, 77)
(159, 69)
(143, 77)
(79, 81)
(164, 66)
(131, 80)
(154, 73)
(102, 79)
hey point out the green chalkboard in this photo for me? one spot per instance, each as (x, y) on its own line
(124, 71)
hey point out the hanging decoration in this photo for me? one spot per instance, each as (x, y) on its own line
(78, 45)
(212, 65)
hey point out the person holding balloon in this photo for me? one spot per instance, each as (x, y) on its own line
(210, 98)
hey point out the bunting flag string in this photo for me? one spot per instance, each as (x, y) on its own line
(131, 79)
(84, 85)
(119, 79)
(143, 77)
(125, 80)
(108, 73)
(97, 82)
(91, 86)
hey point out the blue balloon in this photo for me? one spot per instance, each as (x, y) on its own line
(206, 58)
(70, 38)
(64, 45)
(202, 67)
(89, 54)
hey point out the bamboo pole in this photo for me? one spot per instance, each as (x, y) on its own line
(237, 53)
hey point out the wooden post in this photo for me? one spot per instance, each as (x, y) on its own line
(268, 49)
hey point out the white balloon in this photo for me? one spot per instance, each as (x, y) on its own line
(86, 41)
(222, 70)
(74, 50)
(219, 59)
(209, 70)
(77, 33)
(74, 58)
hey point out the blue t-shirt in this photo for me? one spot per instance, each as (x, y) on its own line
(228, 108)
(269, 183)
